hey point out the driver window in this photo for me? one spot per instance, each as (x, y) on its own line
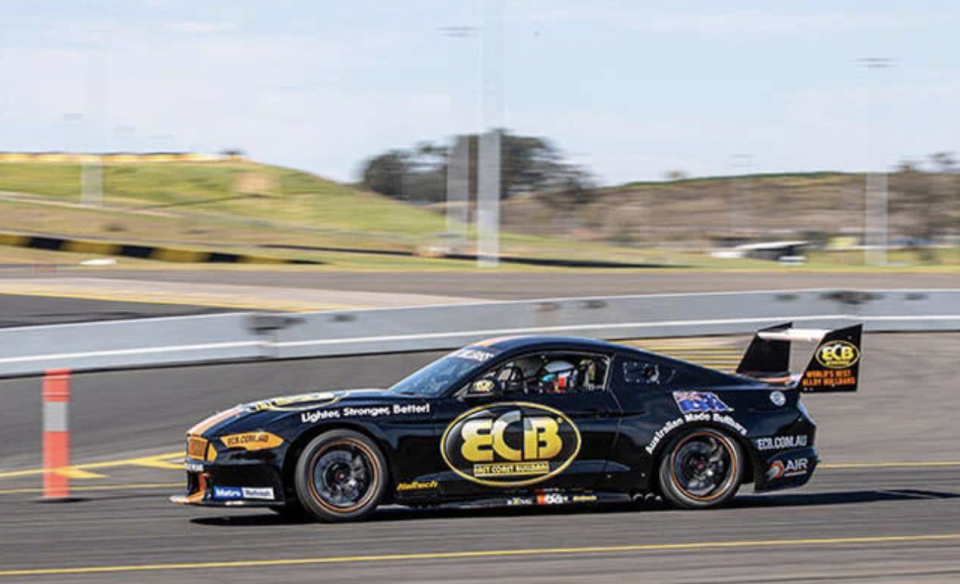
(552, 373)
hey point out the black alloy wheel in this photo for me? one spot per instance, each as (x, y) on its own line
(700, 469)
(341, 476)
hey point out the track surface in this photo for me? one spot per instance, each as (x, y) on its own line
(906, 412)
(38, 310)
(141, 529)
(197, 292)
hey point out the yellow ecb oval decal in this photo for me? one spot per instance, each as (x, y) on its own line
(838, 354)
(510, 444)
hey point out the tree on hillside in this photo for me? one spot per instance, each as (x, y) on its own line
(945, 162)
(927, 199)
(385, 173)
(528, 163)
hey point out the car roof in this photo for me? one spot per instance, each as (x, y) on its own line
(547, 342)
(534, 341)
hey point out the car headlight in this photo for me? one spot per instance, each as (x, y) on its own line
(200, 449)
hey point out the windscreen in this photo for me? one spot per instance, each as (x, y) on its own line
(437, 377)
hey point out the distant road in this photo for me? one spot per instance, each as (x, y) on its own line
(86, 295)
(519, 285)
(39, 310)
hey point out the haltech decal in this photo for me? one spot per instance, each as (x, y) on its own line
(417, 486)
(252, 440)
(511, 444)
(838, 354)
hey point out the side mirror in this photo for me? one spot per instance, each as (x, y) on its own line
(486, 387)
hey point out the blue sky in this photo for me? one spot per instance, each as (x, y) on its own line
(631, 89)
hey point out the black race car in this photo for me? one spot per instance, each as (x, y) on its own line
(528, 421)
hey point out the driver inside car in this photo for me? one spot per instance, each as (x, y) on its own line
(558, 377)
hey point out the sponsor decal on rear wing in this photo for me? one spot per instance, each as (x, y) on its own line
(834, 366)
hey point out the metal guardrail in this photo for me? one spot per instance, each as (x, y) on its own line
(240, 337)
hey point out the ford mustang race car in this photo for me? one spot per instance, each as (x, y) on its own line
(528, 421)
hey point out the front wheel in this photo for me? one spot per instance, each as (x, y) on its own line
(700, 469)
(341, 476)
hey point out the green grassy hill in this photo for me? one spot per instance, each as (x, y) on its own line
(225, 192)
(246, 205)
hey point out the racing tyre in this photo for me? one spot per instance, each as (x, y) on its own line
(341, 476)
(700, 469)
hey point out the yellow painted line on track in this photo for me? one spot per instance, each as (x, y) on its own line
(76, 473)
(119, 487)
(532, 552)
(139, 461)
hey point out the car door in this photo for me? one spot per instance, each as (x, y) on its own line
(521, 440)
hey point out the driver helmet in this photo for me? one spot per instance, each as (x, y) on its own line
(558, 377)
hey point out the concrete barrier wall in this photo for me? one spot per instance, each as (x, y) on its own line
(239, 337)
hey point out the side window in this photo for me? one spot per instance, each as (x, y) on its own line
(646, 373)
(553, 373)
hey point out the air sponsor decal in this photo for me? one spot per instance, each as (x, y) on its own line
(510, 444)
(417, 486)
(782, 442)
(252, 441)
(520, 501)
(837, 354)
(364, 412)
(793, 467)
(262, 493)
(699, 401)
(192, 467)
(227, 493)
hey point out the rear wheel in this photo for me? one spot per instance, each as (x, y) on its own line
(700, 469)
(341, 476)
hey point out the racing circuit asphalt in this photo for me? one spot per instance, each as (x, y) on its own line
(876, 523)
(22, 310)
(529, 285)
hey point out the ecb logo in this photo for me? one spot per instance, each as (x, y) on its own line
(511, 444)
(838, 354)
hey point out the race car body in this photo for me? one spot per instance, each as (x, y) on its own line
(528, 421)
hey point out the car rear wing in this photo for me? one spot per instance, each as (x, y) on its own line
(834, 366)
